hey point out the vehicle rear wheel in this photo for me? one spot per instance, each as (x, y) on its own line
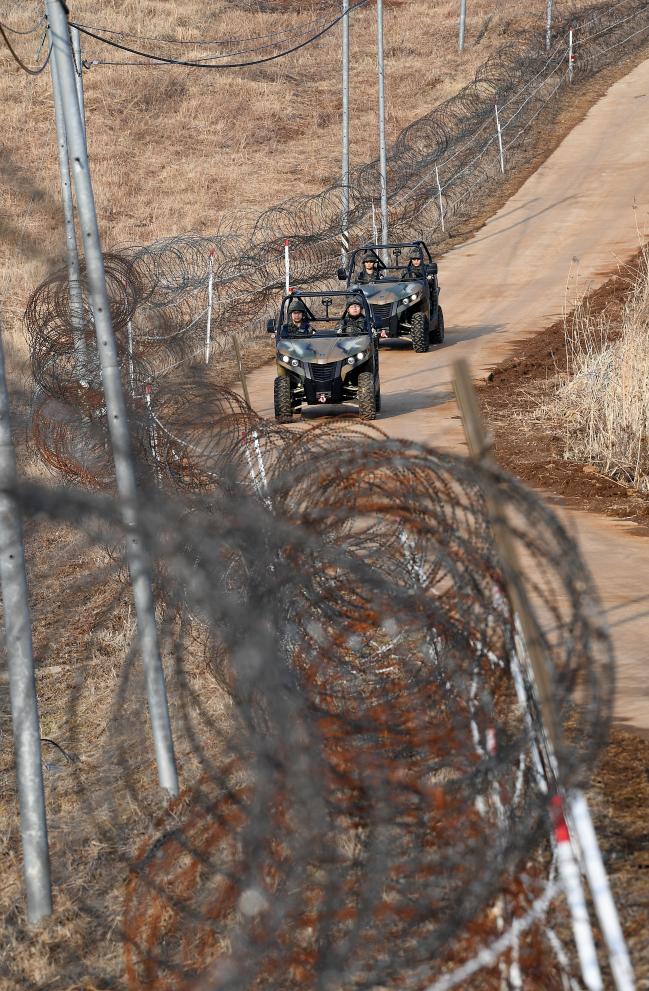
(437, 335)
(419, 332)
(366, 396)
(282, 397)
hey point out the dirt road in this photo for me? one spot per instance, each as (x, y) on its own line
(569, 223)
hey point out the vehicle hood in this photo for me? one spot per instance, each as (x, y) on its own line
(382, 293)
(322, 350)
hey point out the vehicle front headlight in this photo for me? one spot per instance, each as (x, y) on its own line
(285, 358)
(414, 297)
(360, 356)
(294, 362)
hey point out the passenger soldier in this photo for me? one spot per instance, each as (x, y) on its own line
(415, 270)
(353, 321)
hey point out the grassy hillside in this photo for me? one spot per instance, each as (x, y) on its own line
(179, 149)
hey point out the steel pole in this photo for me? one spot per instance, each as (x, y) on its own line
(344, 218)
(78, 66)
(548, 25)
(71, 252)
(22, 686)
(383, 167)
(138, 562)
(460, 41)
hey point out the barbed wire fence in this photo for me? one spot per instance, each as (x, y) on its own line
(439, 170)
(339, 650)
(355, 618)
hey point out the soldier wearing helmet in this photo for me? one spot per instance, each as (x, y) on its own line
(298, 319)
(370, 269)
(415, 270)
(353, 322)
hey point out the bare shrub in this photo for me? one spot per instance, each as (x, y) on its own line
(603, 400)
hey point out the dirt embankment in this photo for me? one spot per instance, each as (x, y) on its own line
(530, 445)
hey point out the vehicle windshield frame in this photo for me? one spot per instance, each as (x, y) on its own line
(355, 266)
(285, 329)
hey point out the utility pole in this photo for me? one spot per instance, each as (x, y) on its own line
(137, 558)
(78, 66)
(22, 685)
(548, 25)
(344, 218)
(72, 254)
(460, 42)
(383, 167)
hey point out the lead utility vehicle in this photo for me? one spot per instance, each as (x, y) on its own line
(325, 354)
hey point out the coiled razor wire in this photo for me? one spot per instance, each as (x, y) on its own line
(160, 292)
(338, 654)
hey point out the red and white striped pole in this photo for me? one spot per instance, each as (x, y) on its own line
(574, 892)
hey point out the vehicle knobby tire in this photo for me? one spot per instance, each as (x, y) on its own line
(366, 397)
(437, 335)
(419, 333)
(282, 397)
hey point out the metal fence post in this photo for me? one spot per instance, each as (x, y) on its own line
(210, 299)
(242, 371)
(383, 165)
(71, 252)
(78, 65)
(500, 142)
(22, 686)
(344, 217)
(138, 561)
(460, 43)
(439, 194)
(287, 267)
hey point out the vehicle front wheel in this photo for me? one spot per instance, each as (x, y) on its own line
(419, 333)
(437, 335)
(366, 396)
(282, 397)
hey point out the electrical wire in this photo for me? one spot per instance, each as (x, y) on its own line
(203, 64)
(30, 30)
(199, 43)
(19, 61)
(275, 39)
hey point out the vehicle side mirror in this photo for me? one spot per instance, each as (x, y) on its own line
(270, 327)
(342, 274)
(433, 268)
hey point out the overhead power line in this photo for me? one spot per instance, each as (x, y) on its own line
(32, 72)
(200, 42)
(204, 64)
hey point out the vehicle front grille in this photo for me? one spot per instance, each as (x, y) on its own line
(323, 373)
(382, 311)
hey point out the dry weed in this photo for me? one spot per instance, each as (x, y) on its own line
(602, 401)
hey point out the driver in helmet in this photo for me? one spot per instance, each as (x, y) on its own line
(370, 269)
(353, 320)
(298, 319)
(415, 269)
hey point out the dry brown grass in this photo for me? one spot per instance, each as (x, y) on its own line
(601, 401)
(177, 150)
